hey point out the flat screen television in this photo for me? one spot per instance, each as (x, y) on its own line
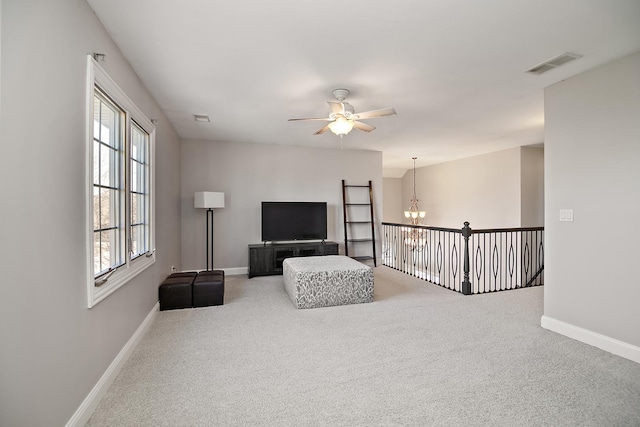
(294, 221)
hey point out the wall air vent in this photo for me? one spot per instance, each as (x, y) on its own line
(554, 62)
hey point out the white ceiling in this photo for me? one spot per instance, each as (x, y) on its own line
(453, 69)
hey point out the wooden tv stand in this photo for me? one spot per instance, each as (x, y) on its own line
(266, 259)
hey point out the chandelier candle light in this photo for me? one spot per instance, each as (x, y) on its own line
(414, 214)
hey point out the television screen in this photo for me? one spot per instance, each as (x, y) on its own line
(294, 221)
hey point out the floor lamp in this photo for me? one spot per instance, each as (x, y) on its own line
(209, 200)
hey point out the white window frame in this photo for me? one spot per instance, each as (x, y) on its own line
(98, 289)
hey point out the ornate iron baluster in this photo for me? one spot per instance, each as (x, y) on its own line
(466, 284)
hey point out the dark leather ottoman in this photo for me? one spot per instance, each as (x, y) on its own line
(208, 288)
(176, 291)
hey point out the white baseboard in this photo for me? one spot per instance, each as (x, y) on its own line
(84, 412)
(612, 345)
(236, 271)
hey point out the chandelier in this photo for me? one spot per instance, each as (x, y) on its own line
(414, 214)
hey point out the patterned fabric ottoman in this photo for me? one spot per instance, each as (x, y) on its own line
(323, 281)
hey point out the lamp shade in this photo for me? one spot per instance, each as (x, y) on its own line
(208, 200)
(341, 126)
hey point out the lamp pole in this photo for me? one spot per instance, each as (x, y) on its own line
(209, 200)
(209, 239)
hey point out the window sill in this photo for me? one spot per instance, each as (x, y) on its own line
(118, 278)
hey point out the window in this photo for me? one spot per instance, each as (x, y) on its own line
(120, 197)
(140, 196)
(108, 184)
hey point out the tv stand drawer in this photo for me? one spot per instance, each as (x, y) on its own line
(266, 259)
(307, 252)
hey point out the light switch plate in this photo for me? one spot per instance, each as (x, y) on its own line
(566, 215)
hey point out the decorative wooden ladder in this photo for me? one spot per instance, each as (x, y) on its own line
(358, 220)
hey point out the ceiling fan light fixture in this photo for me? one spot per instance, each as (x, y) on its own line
(342, 117)
(341, 126)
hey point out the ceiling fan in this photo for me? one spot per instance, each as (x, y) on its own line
(342, 117)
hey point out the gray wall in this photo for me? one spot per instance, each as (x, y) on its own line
(251, 173)
(392, 200)
(532, 187)
(484, 190)
(592, 149)
(53, 349)
(495, 190)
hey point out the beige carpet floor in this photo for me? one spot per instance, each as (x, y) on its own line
(419, 355)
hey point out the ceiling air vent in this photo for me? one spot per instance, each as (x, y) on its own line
(201, 118)
(554, 62)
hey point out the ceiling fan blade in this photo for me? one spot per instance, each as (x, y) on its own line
(363, 126)
(312, 118)
(321, 130)
(375, 113)
(336, 107)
